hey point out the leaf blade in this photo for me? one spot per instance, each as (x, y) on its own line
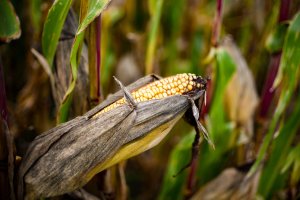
(9, 22)
(53, 27)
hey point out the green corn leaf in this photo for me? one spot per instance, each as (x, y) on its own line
(288, 74)
(224, 70)
(218, 126)
(53, 27)
(279, 155)
(154, 24)
(9, 22)
(294, 155)
(36, 14)
(94, 9)
(172, 187)
(293, 160)
(274, 42)
(290, 61)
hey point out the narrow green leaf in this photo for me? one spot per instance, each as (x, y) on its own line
(296, 172)
(279, 153)
(288, 72)
(289, 61)
(196, 50)
(65, 105)
(224, 70)
(293, 160)
(218, 126)
(172, 187)
(9, 22)
(275, 40)
(154, 24)
(36, 14)
(53, 27)
(293, 156)
(94, 10)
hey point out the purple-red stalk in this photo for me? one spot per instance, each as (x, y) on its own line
(284, 10)
(268, 93)
(191, 179)
(217, 24)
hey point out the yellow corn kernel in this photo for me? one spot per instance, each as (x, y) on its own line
(178, 84)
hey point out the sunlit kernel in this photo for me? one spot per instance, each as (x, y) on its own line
(180, 87)
(173, 91)
(148, 96)
(190, 87)
(151, 93)
(157, 91)
(169, 92)
(198, 85)
(184, 84)
(165, 94)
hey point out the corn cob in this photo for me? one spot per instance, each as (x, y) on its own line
(179, 84)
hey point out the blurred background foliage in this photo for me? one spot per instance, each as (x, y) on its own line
(62, 64)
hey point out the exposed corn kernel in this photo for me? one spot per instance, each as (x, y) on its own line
(178, 84)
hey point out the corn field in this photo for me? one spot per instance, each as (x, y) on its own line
(58, 60)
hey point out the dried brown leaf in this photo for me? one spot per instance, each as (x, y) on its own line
(241, 97)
